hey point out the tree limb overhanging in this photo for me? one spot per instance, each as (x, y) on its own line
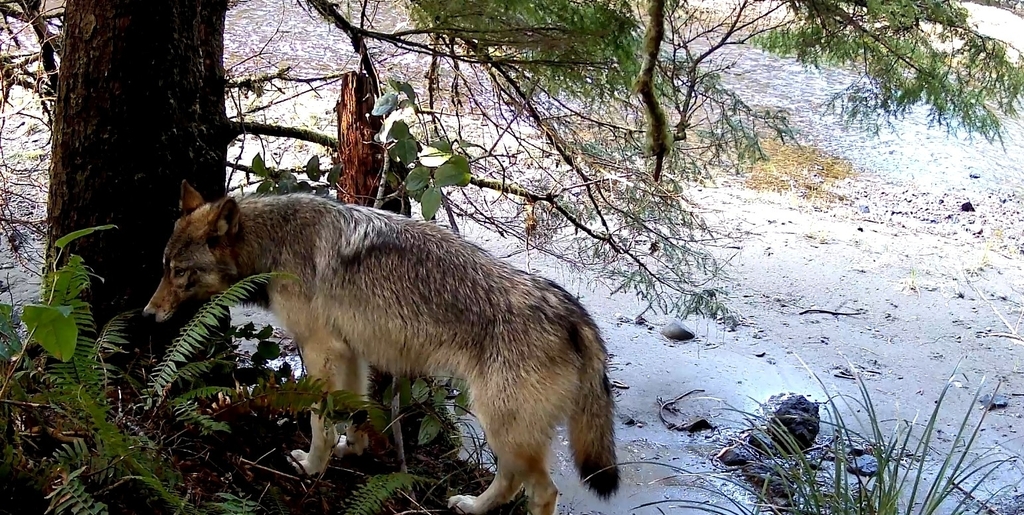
(659, 139)
(265, 129)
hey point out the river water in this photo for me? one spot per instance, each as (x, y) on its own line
(281, 33)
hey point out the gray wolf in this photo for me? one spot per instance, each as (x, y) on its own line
(410, 297)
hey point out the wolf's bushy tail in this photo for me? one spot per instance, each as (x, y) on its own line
(591, 421)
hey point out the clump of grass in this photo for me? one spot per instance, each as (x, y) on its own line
(912, 477)
(805, 171)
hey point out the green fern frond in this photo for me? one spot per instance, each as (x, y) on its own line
(188, 413)
(369, 499)
(71, 497)
(200, 329)
(234, 505)
(273, 502)
(204, 392)
(73, 454)
(191, 372)
(114, 335)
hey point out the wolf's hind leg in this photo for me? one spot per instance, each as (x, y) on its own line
(351, 375)
(502, 489)
(521, 446)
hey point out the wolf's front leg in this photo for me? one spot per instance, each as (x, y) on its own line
(315, 461)
(343, 370)
(351, 375)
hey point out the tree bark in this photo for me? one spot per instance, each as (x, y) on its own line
(361, 159)
(140, 106)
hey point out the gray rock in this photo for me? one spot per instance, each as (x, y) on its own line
(994, 402)
(863, 466)
(799, 418)
(675, 330)
(696, 424)
(735, 456)
(967, 207)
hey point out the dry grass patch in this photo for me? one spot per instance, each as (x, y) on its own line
(807, 172)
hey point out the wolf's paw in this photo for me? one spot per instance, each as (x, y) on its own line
(300, 460)
(465, 504)
(346, 447)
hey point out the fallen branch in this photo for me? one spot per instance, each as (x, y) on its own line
(830, 312)
(267, 469)
(280, 131)
(661, 410)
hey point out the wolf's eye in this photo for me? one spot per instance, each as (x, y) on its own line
(180, 272)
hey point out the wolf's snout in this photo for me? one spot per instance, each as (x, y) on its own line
(152, 314)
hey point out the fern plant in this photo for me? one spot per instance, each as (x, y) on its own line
(200, 330)
(369, 499)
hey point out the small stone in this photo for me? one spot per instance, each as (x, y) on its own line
(863, 466)
(967, 207)
(675, 330)
(994, 402)
(760, 354)
(864, 209)
(975, 175)
(734, 456)
(696, 424)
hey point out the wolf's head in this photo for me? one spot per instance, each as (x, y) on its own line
(198, 258)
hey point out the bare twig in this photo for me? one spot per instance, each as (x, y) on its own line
(267, 469)
(661, 410)
(396, 425)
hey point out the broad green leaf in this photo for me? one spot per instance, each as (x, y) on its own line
(68, 238)
(334, 175)
(404, 391)
(10, 342)
(406, 88)
(393, 179)
(430, 202)
(258, 166)
(400, 131)
(404, 151)
(442, 144)
(53, 328)
(455, 171)
(268, 350)
(420, 390)
(440, 396)
(313, 168)
(430, 427)
(266, 332)
(265, 187)
(417, 179)
(385, 104)
(433, 157)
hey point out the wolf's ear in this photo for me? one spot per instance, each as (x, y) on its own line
(190, 199)
(226, 223)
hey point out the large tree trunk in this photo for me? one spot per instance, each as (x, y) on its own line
(140, 106)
